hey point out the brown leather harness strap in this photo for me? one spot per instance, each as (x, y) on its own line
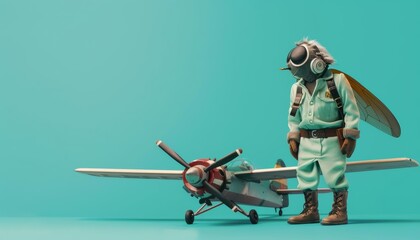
(296, 102)
(334, 93)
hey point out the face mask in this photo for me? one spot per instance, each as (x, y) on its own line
(304, 63)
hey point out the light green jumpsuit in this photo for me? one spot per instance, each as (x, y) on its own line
(318, 111)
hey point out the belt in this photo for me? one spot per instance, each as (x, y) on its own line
(319, 133)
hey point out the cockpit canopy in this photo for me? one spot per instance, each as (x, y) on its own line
(239, 165)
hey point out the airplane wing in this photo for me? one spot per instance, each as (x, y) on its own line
(371, 109)
(356, 166)
(132, 173)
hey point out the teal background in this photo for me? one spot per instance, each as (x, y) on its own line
(96, 83)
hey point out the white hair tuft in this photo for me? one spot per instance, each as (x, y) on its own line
(323, 53)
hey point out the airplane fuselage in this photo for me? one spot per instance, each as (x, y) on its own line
(253, 193)
(231, 187)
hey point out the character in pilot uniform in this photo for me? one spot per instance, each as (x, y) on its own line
(323, 122)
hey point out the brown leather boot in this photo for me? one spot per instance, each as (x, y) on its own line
(338, 214)
(310, 212)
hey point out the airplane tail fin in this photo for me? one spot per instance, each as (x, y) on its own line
(281, 183)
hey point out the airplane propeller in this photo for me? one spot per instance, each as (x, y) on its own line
(224, 160)
(193, 173)
(216, 193)
(172, 154)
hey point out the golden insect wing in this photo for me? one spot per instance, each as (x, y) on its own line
(372, 110)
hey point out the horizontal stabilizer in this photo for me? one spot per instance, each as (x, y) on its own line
(356, 166)
(132, 173)
(298, 191)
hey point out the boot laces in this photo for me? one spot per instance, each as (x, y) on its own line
(306, 209)
(307, 205)
(337, 206)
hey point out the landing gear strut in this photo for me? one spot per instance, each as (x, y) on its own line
(189, 214)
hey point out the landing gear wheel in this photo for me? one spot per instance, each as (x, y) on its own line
(280, 212)
(253, 216)
(189, 217)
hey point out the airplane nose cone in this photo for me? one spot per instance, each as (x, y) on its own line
(194, 175)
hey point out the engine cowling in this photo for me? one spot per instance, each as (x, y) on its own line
(194, 176)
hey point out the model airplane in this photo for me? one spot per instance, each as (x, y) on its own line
(236, 183)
